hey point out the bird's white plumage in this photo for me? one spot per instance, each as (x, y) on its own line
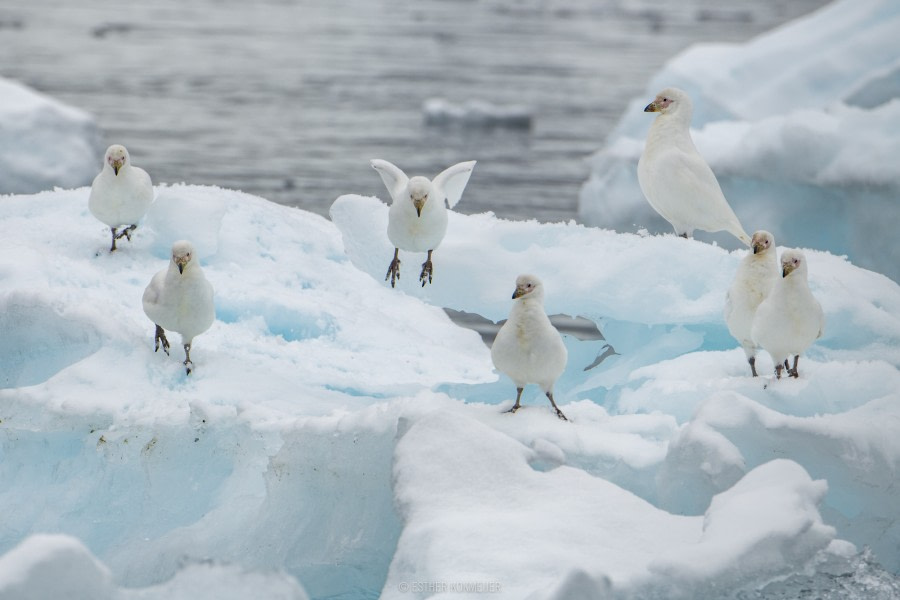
(755, 276)
(528, 348)
(407, 229)
(790, 319)
(181, 301)
(675, 179)
(123, 198)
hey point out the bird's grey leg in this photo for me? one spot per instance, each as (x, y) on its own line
(517, 406)
(559, 413)
(752, 361)
(394, 269)
(126, 233)
(160, 337)
(778, 369)
(188, 365)
(793, 372)
(114, 238)
(427, 269)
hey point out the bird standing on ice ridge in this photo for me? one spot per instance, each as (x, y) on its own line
(675, 179)
(417, 219)
(528, 348)
(790, 319)
(754, 279)
(181, 299)
(120, 194)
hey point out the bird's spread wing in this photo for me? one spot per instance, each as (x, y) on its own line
(394, 179)
(452, 181)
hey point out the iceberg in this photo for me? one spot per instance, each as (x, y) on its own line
(44, 143)
(800, 126)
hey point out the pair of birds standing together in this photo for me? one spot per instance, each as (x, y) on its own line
(778, 314)
(178, 298)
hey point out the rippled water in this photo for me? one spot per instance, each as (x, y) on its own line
(289, 99)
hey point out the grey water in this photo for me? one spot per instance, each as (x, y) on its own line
(289, 99)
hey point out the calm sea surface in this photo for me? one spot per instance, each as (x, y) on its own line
(289, 99)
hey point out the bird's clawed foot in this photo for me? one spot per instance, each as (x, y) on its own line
(118, 235)
(427, 272)
(792, 371)
(188, 365)
(393, 271)
(559, 413)
(516, 406)
(160, 338)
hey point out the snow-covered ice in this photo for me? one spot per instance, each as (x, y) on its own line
(43, 142)
(800, 125)
(351, 437)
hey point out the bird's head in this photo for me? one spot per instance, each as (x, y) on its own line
(419, 188)
(182, 255)
(762, 241)
(528, 286)
(669, 100)
(116, 157)
(792, 261)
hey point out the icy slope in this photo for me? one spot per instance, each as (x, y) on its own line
(351, 436)
(799, 125)
(44, 143)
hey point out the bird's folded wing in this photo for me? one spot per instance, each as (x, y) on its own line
(684, 173)
(452, 181)
(394, 179)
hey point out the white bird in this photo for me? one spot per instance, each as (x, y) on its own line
(754, 279)
(675, 179)
(790, 319)
(417, 219)
(180, 298)
(528, 348)
(120, 194)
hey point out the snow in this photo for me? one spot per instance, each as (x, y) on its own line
(799, 125)
(59, 566)
(349, 438)
(44, 143)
